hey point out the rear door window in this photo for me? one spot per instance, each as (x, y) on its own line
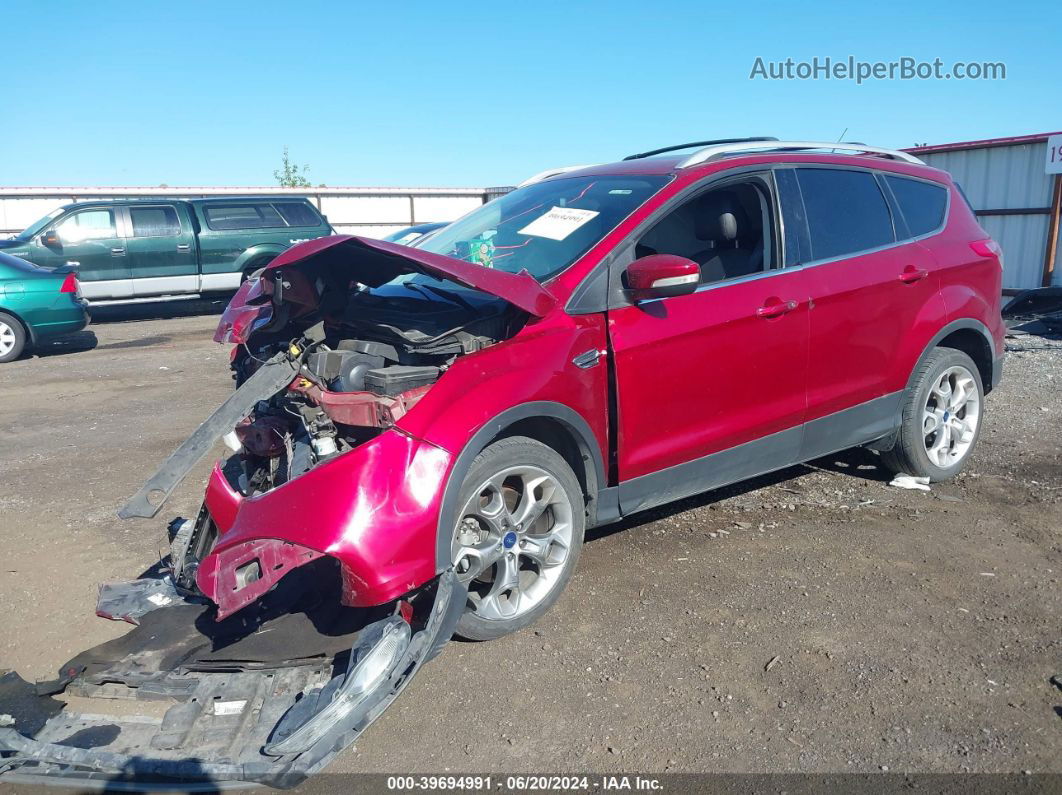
(921, 203)
(242, 216)
(87, 225)
(846, 212)
(155, 222)
(298, 214)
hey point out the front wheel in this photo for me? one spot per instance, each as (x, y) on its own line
(518, 536)
(941, 417)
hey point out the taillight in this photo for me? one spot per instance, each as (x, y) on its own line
(988, 248)
(69, 284)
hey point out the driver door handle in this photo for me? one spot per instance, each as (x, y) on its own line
(117, 252)
(776, 310)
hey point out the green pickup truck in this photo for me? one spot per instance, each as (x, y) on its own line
(130, 249)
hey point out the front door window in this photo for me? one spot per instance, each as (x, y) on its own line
(87, 225)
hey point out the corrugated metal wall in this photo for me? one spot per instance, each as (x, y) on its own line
(1007, 178)
(373, 212)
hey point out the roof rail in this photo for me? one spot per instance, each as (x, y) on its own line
(718, 150)
(660, 151)
(550, 172)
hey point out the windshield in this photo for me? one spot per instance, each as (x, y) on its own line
(544, 227)
(37, 226)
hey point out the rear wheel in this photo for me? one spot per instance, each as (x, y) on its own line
(517, 537)
(12, 338)
(941, 417)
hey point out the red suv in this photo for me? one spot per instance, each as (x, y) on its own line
(600, 341)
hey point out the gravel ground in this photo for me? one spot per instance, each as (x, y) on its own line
(816, 620)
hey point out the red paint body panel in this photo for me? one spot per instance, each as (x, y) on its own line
(239, 318)
(374, 508)
(534, 365)
(700, 373)
(217, 576)
(970, 284)
(862, 321)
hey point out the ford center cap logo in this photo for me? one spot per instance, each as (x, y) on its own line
(509, 540)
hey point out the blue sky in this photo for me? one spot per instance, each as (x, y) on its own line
(441, 94)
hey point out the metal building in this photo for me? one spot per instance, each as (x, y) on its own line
(1016, 201)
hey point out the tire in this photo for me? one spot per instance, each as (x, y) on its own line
(941, 381)
(12, 338)
(520, 522)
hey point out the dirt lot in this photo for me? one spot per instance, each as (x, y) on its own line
(909, 631)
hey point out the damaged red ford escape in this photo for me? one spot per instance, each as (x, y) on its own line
(591, 345)
(600, 341)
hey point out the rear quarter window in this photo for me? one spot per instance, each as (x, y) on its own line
(846, 212)
(242, 216)
(298, 213)
(921, 203)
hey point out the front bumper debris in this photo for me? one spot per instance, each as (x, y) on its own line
(274, 374)
(242, 711)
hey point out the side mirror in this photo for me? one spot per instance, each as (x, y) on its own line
(662, 275)
(50, 239)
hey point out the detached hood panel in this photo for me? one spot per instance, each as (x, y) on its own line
(374, 262)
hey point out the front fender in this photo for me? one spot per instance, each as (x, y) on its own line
(531, 376)
(373, 508)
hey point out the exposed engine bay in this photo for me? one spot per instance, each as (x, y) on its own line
(379, 355)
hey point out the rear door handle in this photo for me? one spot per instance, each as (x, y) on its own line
(183, 247)
(117, 252)
(911, 274)
(776, 310)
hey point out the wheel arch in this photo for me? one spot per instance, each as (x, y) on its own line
(553, 424)
(968, 335)
(259, 256)
(31, 336)
(971, 337)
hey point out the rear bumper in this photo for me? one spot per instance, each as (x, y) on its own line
(64, 317)
(60, 327)
(374, 508)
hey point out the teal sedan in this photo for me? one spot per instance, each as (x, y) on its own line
(36, 304)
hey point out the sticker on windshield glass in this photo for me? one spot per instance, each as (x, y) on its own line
(478, 250)
(558, 223)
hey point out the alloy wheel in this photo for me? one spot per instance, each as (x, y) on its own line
(950, 416)
(512, 540)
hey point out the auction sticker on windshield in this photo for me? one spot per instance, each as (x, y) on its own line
(558, 223)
